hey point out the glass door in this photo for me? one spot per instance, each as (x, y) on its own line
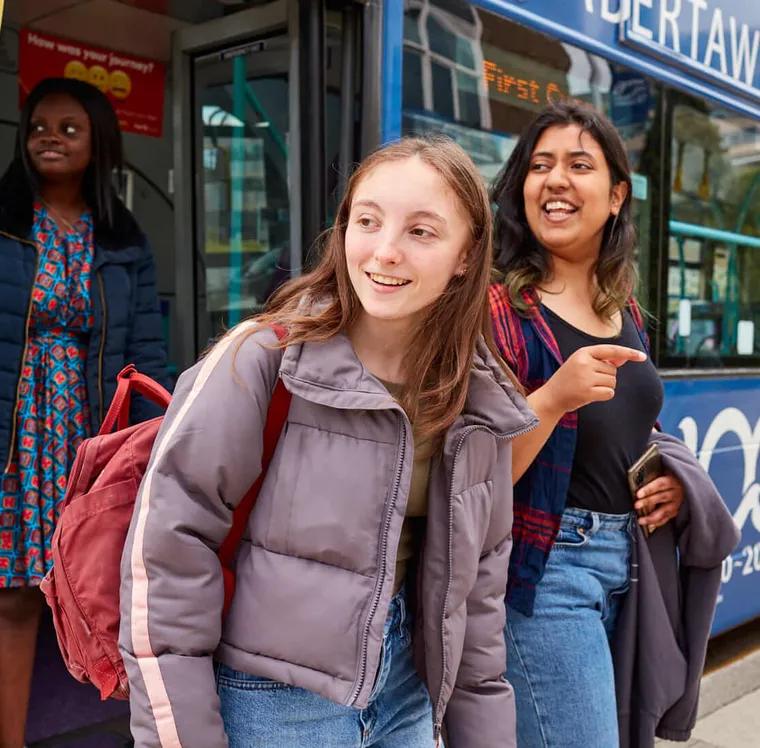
(273, 107)
(242, 204)
(236, 174)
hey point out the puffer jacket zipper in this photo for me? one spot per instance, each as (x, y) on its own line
(102, 345)
(361, 677)
(439, 711)
(14, 419)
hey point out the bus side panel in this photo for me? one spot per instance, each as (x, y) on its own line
(719, 419)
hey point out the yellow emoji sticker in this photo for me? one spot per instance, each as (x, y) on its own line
(98, 76)
(121, 85)
(76, 70)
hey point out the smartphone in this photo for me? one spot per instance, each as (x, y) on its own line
(643, 471)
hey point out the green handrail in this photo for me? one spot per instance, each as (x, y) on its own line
(733, 241)
(679, 228)
(258, 107)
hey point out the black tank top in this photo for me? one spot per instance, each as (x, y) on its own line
(611, 435)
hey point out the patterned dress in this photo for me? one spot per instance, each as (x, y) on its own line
(53, 415)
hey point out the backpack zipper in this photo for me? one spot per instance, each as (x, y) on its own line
(381, 577)
(438, 724)
(14, 419)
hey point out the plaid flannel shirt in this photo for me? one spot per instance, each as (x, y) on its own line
(528, 346)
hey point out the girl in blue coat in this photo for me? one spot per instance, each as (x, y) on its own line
(78, 302)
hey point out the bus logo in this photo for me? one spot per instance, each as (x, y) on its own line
(731, 421)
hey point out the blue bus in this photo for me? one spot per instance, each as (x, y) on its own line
(268, 103)
(681, 82)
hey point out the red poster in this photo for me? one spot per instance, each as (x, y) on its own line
(134, 86)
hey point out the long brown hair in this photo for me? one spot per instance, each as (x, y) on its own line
(440, 356)
(520, 259)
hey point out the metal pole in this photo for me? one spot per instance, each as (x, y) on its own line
(347, 98)
(237, 175)
(312, 95)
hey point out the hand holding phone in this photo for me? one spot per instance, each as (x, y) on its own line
(646, 469)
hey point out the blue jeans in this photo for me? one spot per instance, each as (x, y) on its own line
(559, 661)
(261, 713)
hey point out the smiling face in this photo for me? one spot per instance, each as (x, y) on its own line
(59, 142)
(569, 195)
(407, 236)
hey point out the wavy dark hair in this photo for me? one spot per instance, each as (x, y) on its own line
(521, 262)
(114, 225)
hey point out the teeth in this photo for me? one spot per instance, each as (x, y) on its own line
(387, 280)
(559, 205)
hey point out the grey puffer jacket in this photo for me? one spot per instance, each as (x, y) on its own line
(315, 572)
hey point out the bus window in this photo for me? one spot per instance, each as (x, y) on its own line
(713, 267)
(480, 79)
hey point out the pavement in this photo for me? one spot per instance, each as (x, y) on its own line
(729, 708)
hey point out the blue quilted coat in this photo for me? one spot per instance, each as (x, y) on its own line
(127, 323)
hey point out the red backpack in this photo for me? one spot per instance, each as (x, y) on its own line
(82, 588)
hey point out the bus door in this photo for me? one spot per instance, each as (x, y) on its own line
(269, 119)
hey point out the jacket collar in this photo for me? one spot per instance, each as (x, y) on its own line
(329, 373)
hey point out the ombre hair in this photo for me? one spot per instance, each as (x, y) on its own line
(520, 260)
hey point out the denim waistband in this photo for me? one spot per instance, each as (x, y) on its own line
(397, 612)
(594, 521)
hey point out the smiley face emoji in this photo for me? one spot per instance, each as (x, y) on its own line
(98, 77)
(76, 70)
(121, 85)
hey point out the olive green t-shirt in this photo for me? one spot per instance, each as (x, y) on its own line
(417, 504)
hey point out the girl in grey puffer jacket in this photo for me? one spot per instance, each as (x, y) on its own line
(369, 608)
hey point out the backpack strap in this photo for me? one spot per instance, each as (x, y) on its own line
(129, 380)
(277, 414)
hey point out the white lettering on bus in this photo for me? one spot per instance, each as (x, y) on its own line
(731, 421)
(623, 13)
(741, 54)
(697, 5)
(670, 16)
(739, 41)
(636, 26)
(717, 42)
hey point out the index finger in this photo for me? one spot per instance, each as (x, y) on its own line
(616, 354)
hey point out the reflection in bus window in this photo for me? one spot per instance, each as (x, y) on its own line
(713, 283)
(481, 79)
(245, 199)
